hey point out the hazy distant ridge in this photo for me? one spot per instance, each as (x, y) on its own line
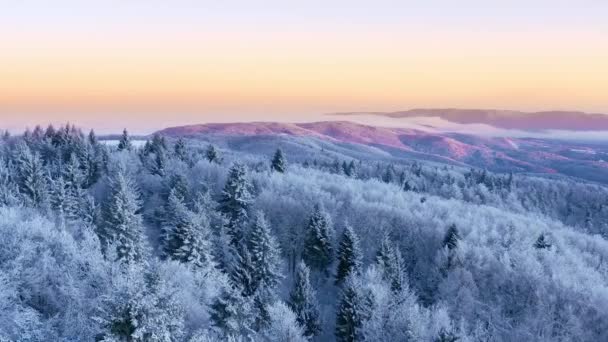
(558, 120)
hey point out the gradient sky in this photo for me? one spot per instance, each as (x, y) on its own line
(147, 64)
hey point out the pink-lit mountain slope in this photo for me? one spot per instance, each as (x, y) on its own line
(499, 154)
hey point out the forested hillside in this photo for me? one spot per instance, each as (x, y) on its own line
(242, 240)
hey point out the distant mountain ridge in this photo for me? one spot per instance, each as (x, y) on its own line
(508, 119)
(497, 154)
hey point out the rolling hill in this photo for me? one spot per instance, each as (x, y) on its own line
(580, 160)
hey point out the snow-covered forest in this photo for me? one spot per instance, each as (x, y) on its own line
(192, 240)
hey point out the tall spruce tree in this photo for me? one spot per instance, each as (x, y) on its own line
(541, 242)
(303, 302)
(9, 192)
(67, 195)
(123, 228)
(451, 242)
(242, 271)
(58, 197)
(318, 245)
(235, 201)
(185, 235)
(452, 237)
(31, 177)
(125, 141)
(352, 311)
(349, 256)
(390, 262)
(279, 164)
(265, 255)
(212, 155)
(230, 313)
(180, 150)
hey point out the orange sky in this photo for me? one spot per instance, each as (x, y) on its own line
(169, 72)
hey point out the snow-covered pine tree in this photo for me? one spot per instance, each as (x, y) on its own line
(9, 192)
(91, 161)
(123, 227)
(351, 312)
(242, 271)
(279, 164)
(303, 302)
(196, 247)
(74, 193)
(230, 313)
(446, 336)
(349, 255)
(452, 238)
(542, 243)
(265, 255)
(142, 308)
(352, 169)
(450, 242)
(318, 244)
(388, 175)
(159, 164)
(58, 198)
(212, 155)
(32, 178)
(180, 150)
(390, 262)
(174, 220)
(266, 268)
(125, 141)
(282, 325)
(186, 239)
(92, 139)
(235, 201)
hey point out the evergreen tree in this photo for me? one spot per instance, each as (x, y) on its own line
(212, 155)
(235, 201)
(178, 183)
(144, 309)
(93, 141)
(9, 192)
(282, 325)
(318, 245)
(542, 243)
(446, 336)
(279, 164)
(92, 163)
(265, 255)
(303, 302)
(59, 201)
(242, 271)
(351, 313)
(390, 262)
(159, 143)
(231, 313)
(451, 241)
(74, 193)
(388, 175)
(186, 236)
(180, 150)
(351, 169)
(125, 142)
(32, 178)
(159, 163)
(349, 255)
(452, 237)
(123, 224)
